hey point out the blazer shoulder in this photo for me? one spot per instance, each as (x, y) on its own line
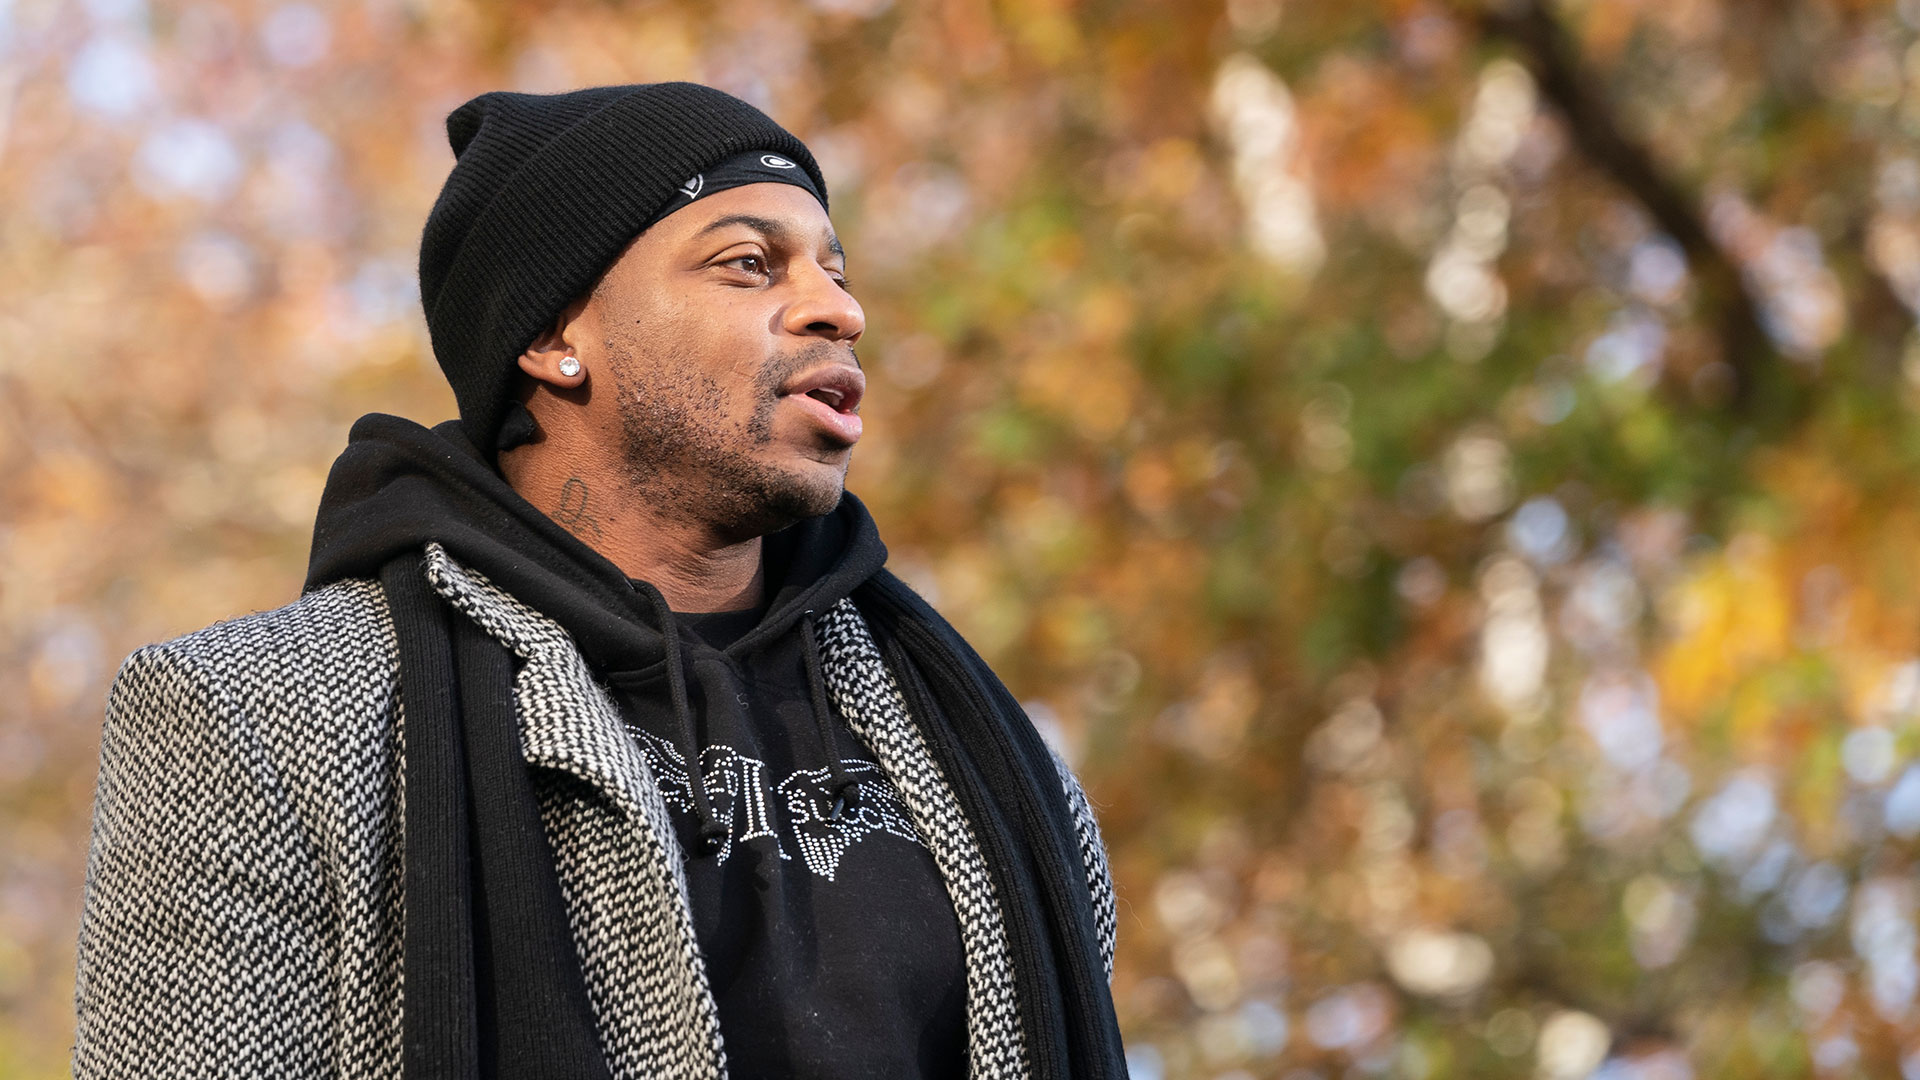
(332, 650)
(346, 615)
(244, 857)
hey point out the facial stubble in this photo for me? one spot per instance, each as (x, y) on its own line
(684, 449)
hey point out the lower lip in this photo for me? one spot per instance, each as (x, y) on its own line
(843, 425)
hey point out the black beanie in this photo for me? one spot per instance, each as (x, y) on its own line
(545, 191)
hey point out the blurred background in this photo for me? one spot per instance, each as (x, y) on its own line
(1447, 472)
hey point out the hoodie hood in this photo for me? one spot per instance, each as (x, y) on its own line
(399, 485)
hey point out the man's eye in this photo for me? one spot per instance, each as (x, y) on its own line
(752, 264)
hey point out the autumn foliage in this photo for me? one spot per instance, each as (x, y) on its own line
(1447, 472)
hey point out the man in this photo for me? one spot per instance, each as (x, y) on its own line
(600, 743)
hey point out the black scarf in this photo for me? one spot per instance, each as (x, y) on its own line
(493, 983)
(1008, 788)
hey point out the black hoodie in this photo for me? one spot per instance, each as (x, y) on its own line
(829, 940)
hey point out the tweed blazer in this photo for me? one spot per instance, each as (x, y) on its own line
(244, 897)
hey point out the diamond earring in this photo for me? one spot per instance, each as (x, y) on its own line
(569, 366)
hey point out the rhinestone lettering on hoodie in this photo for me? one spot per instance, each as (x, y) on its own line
(746, 803)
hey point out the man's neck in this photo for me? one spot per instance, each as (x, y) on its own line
(694, 567)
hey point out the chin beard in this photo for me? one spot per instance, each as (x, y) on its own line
(764, 500)
(740, 500)
(695, 468)
(682, 450)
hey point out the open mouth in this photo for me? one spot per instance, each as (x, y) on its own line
(831, 395)
(832, 399)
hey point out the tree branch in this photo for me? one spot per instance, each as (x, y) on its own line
(1880, 318)
(1591, 125)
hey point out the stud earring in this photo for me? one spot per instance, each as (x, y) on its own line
(569, 366)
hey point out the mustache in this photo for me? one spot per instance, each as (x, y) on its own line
(782, 369)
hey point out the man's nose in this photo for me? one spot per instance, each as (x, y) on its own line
(825, 309)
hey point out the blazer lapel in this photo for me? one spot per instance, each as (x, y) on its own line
(619, 860)
(566, 721)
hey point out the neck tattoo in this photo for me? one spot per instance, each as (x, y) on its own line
(572, 511)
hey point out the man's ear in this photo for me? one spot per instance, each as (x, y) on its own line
(551, 358)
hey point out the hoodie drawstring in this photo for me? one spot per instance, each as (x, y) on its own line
(844, 785)
(713, 831)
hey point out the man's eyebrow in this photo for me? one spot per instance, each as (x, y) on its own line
(768, 227)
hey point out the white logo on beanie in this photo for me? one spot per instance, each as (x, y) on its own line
(772, 162)
(691, 189)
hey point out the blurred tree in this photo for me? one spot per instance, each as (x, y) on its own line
(1445, 470)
